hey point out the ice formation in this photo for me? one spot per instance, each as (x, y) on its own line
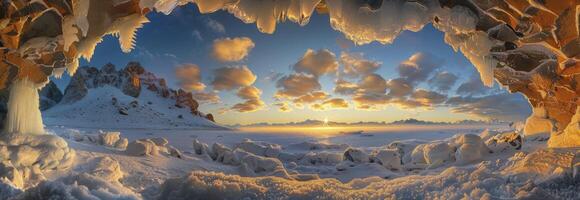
(24, 117)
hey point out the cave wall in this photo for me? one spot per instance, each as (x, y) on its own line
(528, 46)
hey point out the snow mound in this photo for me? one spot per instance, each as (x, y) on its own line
(483, 181)
(259, 148)
(106, 168)
(470, 148)
(25, 158)
(82, 186)
(388, 158)
(142, 147)
(321, 158)
(356, 155)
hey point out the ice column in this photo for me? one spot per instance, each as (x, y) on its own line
(23, 109)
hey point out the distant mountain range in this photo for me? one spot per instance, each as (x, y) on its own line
(410, 121)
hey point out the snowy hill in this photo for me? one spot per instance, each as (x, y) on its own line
(128, 98)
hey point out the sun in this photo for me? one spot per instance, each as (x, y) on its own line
(325, 121)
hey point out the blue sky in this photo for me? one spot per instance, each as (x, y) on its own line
(186, 36)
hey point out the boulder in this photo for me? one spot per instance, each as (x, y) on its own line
(508, 141)
(223, 154)
(388, 158)
(122, 143)
(109, 138)
(142, 147)
(438, 153)
(356, 155)
(159, 141)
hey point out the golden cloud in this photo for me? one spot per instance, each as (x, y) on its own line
(317, 63)
(228, 78)
(296, 85)
(232, 49)
(189, 77)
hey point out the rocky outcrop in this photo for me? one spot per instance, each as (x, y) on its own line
(130, 80)
(50, 95)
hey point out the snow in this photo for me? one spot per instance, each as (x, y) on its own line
(151, 111)
(440, 163)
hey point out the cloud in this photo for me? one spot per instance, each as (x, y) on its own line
(399, 87)
(228, 78)
(428, 97)
(503, 106)
(335, 103)
(372, 83)
(189, 77)
(317, 63)
(248, 106)
(370, 92)
(473, 87)
(206, 97)
(215, 26)
(355, 65)
(345, 87)
(273, 76)
(418, 67)
(310, 98)
(197, 35)
(369, 101)
(443, 81)
(295, 85)
(249, 92)
(252, 96)
(232, 49)
(283, 107)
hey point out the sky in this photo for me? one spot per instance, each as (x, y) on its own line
(243, 76)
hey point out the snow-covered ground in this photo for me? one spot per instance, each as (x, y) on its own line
(102, 106)
(412, 162)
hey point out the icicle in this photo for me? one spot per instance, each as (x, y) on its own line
(23, 109)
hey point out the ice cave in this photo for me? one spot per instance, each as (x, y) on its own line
(530, 47)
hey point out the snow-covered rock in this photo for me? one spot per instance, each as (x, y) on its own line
(106, 168)
(405, 148)
(223, 154)
(470, 148)
(388, 158)
(174, 152)
(356, 155)
(438, 153)
(259, 148)
(321, 158)
(254, 165)
(33, 155)
(508, 141)
(142, 147)
(122, 143)
(418, 156)
(11, 174)
(159, 141)
(201, 148)
(109, 139)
